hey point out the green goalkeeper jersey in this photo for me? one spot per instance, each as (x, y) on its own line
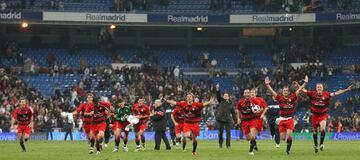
(122, 113)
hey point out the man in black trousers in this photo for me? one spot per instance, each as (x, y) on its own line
(159, 124)
(272, 114)
(225, 116)
(68, 128)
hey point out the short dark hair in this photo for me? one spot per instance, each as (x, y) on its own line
(119, 101)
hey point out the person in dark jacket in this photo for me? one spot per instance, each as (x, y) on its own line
(225, 116)
(272, 114)
(159, 124)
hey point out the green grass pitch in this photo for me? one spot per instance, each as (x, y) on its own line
(207, 150)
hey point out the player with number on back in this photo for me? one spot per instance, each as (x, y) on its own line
(287, 106)
(99, 112)
(248, 110)
(24, 117)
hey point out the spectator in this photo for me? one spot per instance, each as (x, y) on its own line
(3, 5)
(51, 59)
(82, 63)
(176, 72)
(88, 83)
(61, 5)
(213, 63)
(205, 57)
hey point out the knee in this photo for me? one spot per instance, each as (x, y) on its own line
(289, 138)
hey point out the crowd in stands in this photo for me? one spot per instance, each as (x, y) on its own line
(135, 5)
(151, 81)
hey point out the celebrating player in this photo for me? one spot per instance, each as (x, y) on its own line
(248, 110)
(142, 112)
(287, 103)
(262, 112)
(319, 105)
(177, 116)
(120, 123)
(192, 112)
(99, 111)
(85, 118)
(24, 117)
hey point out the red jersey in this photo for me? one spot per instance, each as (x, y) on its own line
(23, 115)
(100, 110)
(192, 113)
(262, 104)
(244, 107)
(319, 103)
(82, 108)
(178, 114)
(141, 110)
(287, 105)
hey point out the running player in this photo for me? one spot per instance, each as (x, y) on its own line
(248, 110)
(192, 112)
(287, 106)
(319, 106)
(142, 112)
(120, 123)
(24, 117)
(178, 117)
(99, 111)
(85, 118)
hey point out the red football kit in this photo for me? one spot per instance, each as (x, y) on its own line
(85, 118)
(23, 117)
(141, 110)
(248, 118)
(287, 110)
(179, 118)
(192, 116)
(319, 105)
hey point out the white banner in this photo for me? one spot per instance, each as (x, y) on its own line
(273, 18)
(94, 17)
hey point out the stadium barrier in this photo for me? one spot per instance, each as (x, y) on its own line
(173, 19)
(204, 135)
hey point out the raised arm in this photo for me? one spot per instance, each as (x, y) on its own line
(298, 85)
(171, 102)
(341, 91)
(267, 84)
(218, 94)
(306, 80)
